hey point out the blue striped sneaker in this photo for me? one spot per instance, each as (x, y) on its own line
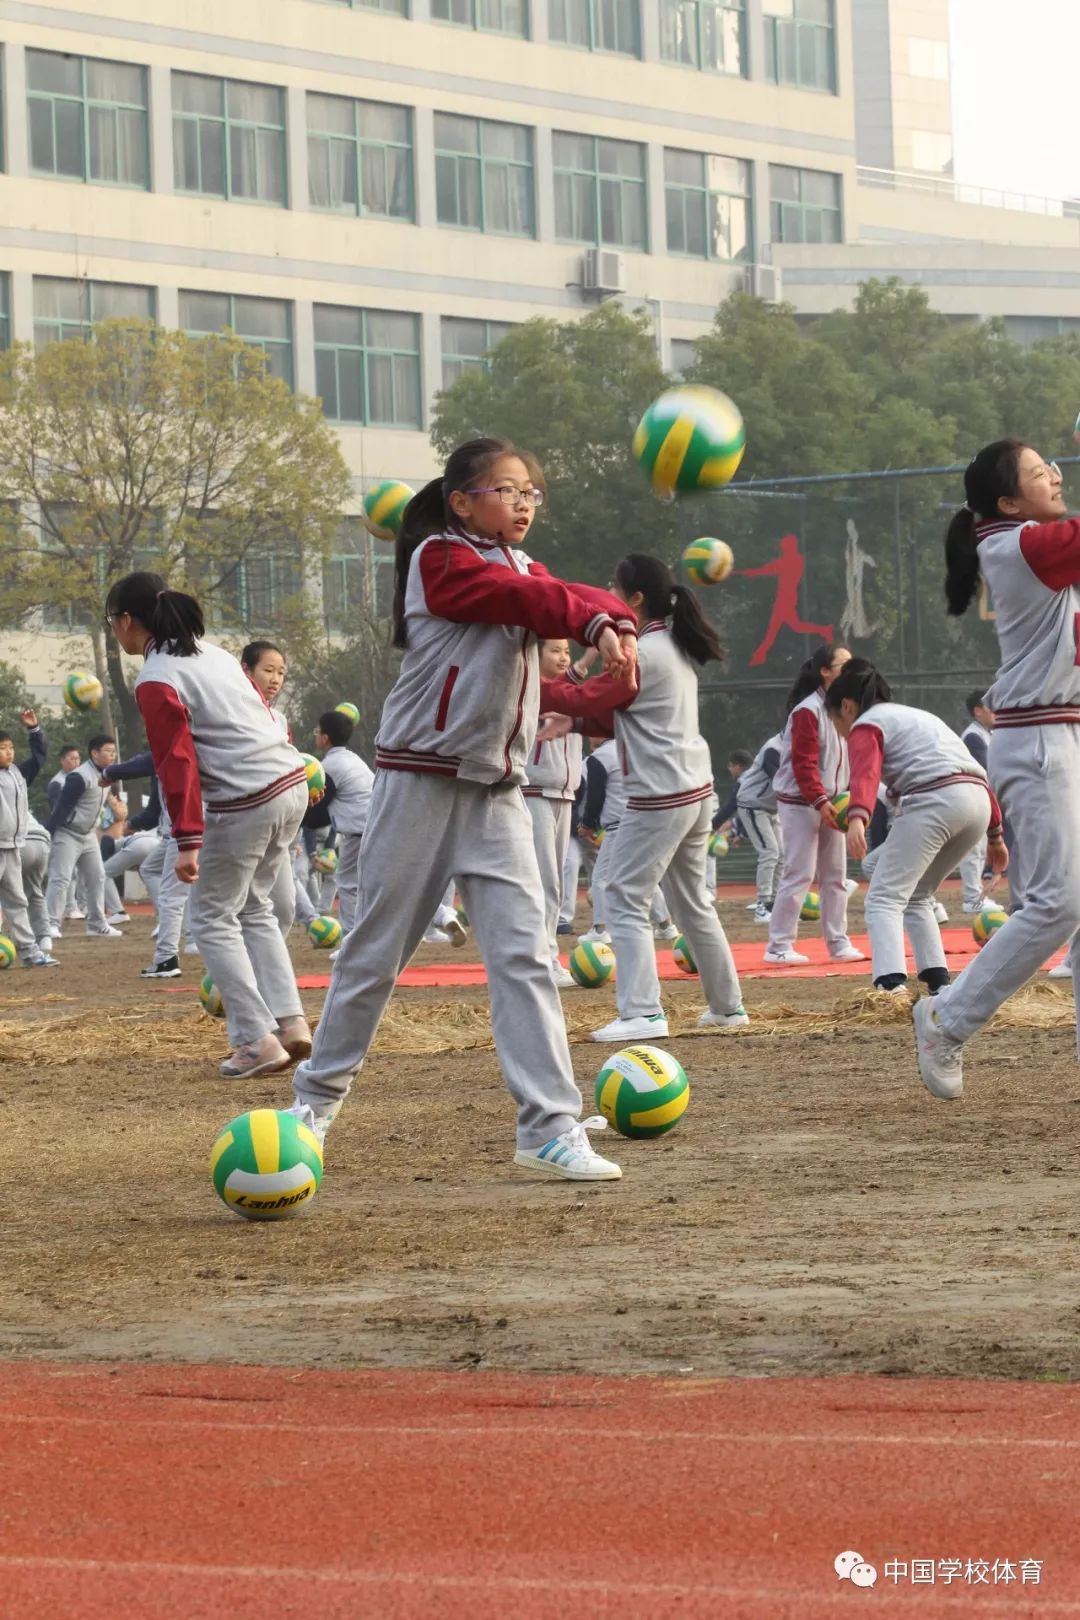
(318, 1117)
(571, 1155)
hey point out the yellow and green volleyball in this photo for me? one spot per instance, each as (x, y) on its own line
(642, 1091)
(82, 692)
(316, 776)
(718, 846)
(266, 1164)
(690, 438)
(842, 804)
(684, 956)
(210, 996)
(7, 952)
(384, 508)
(349, 710)
(707, 562)
(324, 932)
(810, 910)
(591, 965)
(989, 920)
(325, 860)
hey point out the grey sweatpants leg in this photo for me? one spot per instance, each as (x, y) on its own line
(551, 835)
(34, 856)
(812, 852)
(348, 879)
(419, 828)
(151, 870)
(173, 901)
(13, 903)
(283, 897)
(930, 833)
(1036, 774)
(763, 836)
(971, 870)
(77, 853)
(668, 844)
(301, 869)
(234, 922)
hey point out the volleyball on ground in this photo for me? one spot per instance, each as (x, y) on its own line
(349, 710)
(718, 846)
(591, 965)
(989, 920)
(690, 438)
(384, 508)
(810, 910)
(684, 956)
(82, 692)
(841, 804)
(266, 1164)
(708, 561)
(642, 1091)
(316, 776)
(210, 996)
(324, 932)
(7, 951)
(325, 860)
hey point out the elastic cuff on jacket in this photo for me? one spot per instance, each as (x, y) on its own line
(596, 627)
(993, 837)
(192, 841)
(857, 813)
(822, 798)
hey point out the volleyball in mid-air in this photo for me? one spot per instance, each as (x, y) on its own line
(7, 952)
(316, 776)
(691, 438)
(591, 964)
(989, 920)
(210, 996)
(842, 804)
(266, 1164)
(82, 692)
(324, 932)
(810, 910)
(707, 562)
(684, 956)
(642, 1091)
(325, 860)
(349, 710)
(384, 508)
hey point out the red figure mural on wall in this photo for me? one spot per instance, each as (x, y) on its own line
(788, 569)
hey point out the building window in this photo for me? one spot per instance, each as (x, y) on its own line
(683, 356)
(483, 175)
(265, 323)
(360, 157)
(705, 34)
(931, 152)
(1032, 329)
(467, 345)
(367, 366)
(707, 200)
(358, 578)
(87, 119)
(488, 16)
(397, 7)
(799, 47)
(5, 310)
(228, 138)
(805, 205)
(596, 25)
(599, 191)
(68, 309)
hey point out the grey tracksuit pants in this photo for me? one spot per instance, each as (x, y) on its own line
(170, 896)
(578, 856)
(1036, 775)
(283, 897)
(930, 834)
(34, 855)
(76, 853)
(672, 845)
(419, 828)
(13, 903)
(659, 910)
(233, 919)
(551, 837)
(348, 879)
(762, 829)
(301, 870)
(972, 868)
(812, 852)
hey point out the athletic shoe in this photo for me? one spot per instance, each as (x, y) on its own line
(596, 936)
(564, 979)
(752, 906)
(940, 914)
(739, 1019)
(436, 936)
(571, 1155)
(45, 946)
(983, 901)
(154, 931)
(169, 969)
(116, 916)
(850, 884)
(318, 1117)
(295, 1036)
(108, 932)
(76, 915)
(941, 1060)
(565, 928)
(1062, 971)
(456, 932)
(255, 1057)
(761, 913)
(847, 953)
(56, 934)
(40, 959)
(653, 1027)
(666, 930)
(787, 958)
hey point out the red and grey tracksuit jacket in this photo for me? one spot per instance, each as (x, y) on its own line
(912, 752)
(813, 756)
(1033, 572)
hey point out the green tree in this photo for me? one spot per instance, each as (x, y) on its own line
(359, 669)
(146, 448)
(14, 698)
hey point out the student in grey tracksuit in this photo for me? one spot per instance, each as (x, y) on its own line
(664, 831)
(603, 809)
(553, 778)
(75, 847)
(755, 799)
(153, 851)
(976, 739)
(451, 751)
(15, 822)
(345, 807)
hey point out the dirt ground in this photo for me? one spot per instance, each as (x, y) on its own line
(814, 1211)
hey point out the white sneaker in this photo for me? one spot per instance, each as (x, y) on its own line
(787, 958)
(456, 932)
(264, 1056)
(847, 953)
(984, 900)
(318, 1117)
(666, 930)
(76, 915)
(116, 916)
(571, 1155)
(153, 931)
(850, 884)
(761, 913)
(941, 1060)
(751, 907)
(595, 936)
(436, 936)
(940, 914)
(1062, 971)
(45, 945)
(107, 932)
(564, 979)
(650, 1028)
(738, 1019)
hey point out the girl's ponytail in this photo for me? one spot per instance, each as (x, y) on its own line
(991, 476)
(862, 682)
(173, 618)
(961, 562)
(663, 598)
(690, 629)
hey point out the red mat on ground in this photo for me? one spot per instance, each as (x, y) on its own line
(203, 1491)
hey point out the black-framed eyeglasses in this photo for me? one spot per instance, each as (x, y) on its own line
(510, 494)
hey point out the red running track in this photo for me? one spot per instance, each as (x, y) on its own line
(169, 1492)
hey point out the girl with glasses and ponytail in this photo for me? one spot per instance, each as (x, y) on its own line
(1013, 533)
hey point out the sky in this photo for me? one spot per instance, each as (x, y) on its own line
(1014, 81)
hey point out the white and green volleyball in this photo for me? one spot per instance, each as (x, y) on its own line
(989, 920)
(642, 1091)
(82, 692)
(718, 846)
(266, 1164)
(591, 965)
(384, 508)
(707, 562)
(684, 956)
(349, 710)
(210, 996)
(810, 910)
(325, 860)
(7, 952)
(842, 804)
(324, 932)
(316, 776)
(691, 438)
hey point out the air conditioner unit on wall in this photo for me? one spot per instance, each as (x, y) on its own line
(603, 271)
(765, 281)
